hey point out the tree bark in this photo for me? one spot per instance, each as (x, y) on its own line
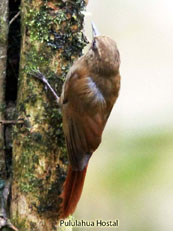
(4, 184)
(51, 41)
(3, 60)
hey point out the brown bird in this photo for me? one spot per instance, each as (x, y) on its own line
(88, 95)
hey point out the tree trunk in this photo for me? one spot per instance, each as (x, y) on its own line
(3, 60)
(51, 41)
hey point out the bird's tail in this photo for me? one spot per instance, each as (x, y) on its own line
(72, 191)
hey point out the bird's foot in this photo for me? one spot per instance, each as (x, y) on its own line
(37, 74)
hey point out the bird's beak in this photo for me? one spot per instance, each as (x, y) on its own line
(95, 32)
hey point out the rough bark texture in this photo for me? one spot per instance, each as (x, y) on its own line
(3, 60)
(51, 41)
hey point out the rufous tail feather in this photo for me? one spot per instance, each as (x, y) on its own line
(72, 191)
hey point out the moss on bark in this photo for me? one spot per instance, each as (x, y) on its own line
(51, 41)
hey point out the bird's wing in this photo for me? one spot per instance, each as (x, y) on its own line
(83, 119)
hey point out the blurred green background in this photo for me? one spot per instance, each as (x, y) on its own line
(130, 176)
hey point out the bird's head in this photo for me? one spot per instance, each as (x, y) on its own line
(103, 54)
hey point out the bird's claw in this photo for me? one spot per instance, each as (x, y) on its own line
(37, 74)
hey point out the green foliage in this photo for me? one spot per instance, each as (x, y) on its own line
(138, 156)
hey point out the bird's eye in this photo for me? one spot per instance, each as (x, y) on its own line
(94, 45)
